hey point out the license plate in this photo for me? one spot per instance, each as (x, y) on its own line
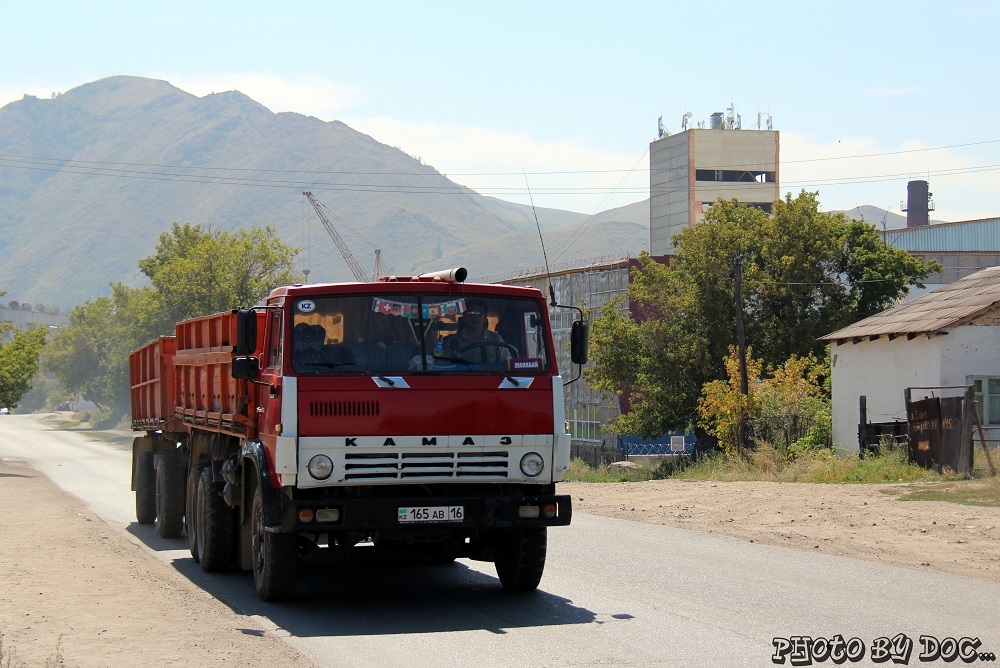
(431, 514)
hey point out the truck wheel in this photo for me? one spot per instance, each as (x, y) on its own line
(275, 556)
(216, 525)
(169, 495)
(145, 488)
(190, 509)
(519, 557)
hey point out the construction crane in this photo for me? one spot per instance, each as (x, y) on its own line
(359, 274)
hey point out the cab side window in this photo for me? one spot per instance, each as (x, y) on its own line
(274, 341)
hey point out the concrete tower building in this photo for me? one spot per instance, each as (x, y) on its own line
(691, 170)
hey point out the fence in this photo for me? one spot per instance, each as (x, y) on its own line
(781, 432)
(596, 455)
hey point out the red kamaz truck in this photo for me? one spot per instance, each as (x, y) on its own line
(407, 419)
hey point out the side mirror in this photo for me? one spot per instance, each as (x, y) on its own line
(579, 340)
(246, 368)
(246, 332)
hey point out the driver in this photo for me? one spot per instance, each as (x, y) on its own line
(474, 340)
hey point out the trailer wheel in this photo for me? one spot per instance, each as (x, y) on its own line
(519, 557)
(169, 495)
(145, 488)
(216, 524)
(275, 556)
(190, 509)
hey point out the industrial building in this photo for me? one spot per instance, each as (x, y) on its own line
(589, 287)
(692, 169)
(688, 172)
(23, 315)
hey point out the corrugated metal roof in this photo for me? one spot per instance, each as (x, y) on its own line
(967, 236)
(945, 307)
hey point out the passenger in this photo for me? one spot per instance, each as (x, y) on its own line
(474, 341)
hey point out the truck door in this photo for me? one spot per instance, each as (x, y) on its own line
(269, 418)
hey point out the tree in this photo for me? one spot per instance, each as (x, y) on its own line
(667, 320)
(804, 273)
(90, 356)
(18, 361)
(791, 394)
(194, 272)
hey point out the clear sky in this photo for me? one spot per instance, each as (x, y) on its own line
(566, 96)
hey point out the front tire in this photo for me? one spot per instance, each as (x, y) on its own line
(275, 556)
(519, 557)
(145, 488)
(170, 490)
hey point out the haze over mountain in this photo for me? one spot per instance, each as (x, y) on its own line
(89, 179)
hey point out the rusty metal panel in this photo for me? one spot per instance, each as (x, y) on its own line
(940, 433)
(953, 433)
(924, 428)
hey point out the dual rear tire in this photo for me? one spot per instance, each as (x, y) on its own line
(169, 494)
(145, 488)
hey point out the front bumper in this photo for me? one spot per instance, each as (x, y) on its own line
(370, 515)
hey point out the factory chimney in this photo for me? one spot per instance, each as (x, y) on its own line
(918, 204)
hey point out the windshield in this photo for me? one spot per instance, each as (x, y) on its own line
(418, 333)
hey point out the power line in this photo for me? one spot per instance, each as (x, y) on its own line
(93, 168)
(69, 161)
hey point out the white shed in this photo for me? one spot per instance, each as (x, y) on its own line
(948, 337)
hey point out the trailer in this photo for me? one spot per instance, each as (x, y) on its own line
(413, 419)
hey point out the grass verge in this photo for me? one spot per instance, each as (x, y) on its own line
(767, 464)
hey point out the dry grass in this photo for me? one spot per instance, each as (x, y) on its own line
(766, 463)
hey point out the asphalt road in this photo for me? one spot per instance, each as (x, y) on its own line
(615, 593)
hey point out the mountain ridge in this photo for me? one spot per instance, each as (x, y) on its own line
(113, 163)
(90, 178)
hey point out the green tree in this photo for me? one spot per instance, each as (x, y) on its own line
(19, 354)
(669, 323)
(804, 273)
(777, 402)
(86, 356)
(194, 272)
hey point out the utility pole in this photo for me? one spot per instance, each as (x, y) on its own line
(741, 342)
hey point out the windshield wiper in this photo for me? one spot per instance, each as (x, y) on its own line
(336, 365)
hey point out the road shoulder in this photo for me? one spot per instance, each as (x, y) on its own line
(71, 587)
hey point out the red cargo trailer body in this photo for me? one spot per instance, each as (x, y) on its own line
(409, 419)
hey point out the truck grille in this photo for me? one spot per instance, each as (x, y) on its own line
(343, 408)
(440, 465)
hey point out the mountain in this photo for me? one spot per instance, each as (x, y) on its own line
(90, 178)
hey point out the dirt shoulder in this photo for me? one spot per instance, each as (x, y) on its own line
(72, 589)
(862, 521)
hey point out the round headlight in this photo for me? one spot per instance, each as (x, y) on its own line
(532, 464)
(320, 467)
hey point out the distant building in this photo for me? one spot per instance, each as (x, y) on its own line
(590, 287)
(23, 315)
(962, 248)
(948, 338)
(691, 170)
(688, 172)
